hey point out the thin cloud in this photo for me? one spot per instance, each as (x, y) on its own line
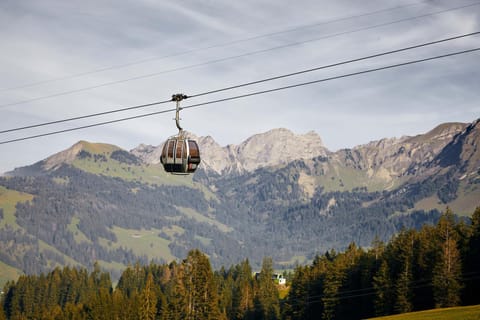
(51, 39)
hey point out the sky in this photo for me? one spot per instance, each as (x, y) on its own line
(64, 59)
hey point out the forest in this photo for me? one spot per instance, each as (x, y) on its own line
(269, 218)
(435, 266)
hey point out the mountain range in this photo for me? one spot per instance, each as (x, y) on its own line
(276, 194)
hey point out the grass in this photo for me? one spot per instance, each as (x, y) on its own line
(8, 201)
(464, 205)
(8, 273)
(339, 178)
(205, 241)
(78, 235)
(283, 291)
(98, 148)
(68, 260)
(201, 218)
(153, 174)
(150, 174)
(468, 199)
(142, 242)
(463, 313)
(301, 260)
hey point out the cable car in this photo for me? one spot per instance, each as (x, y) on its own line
(180, 154)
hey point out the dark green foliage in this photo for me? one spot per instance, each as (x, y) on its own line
(273, 208)
(383, 290)
(408, 273)
(84, 154)
(472, 262)
(125, 157)
(416, 270)
(267, 305)
(447, 271)
(148, 301)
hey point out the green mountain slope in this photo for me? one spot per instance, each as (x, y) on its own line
(98, 202)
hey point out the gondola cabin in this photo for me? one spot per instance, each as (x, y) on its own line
(180, 155)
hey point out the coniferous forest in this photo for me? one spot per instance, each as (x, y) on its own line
(436, 266)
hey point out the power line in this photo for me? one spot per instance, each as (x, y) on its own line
(219, 45)
(251, 53)
(355, 293)
(337, 64)
(249, 94)
(248, 83)
(86, 116)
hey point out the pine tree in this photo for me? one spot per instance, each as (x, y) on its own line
(400, 255)
(472, 261)
(403, 289)
(162, 307)
(226, 290)
(382, 286)
(195, 293)
(243, 292)
(447, 273)
(297, 302)
(332, 283)
(148, 300)
(267, 301)
(2, 314)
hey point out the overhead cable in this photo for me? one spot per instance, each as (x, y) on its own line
(219, 45)
(247, 54)
(249, 94)
(248, 83)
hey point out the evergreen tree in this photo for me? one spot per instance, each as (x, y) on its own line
(425, 256)
(148, 300)
(2, 314)
(297, 302)
(333, 280)
(243, 294)
(121, 306)
(401, 257)
(382, 286)
(472, 261)
(162, 307)
(225, 285)
(447, 272)
(198, 288)
(378, 248)
(176, 293)
(403, 290)
(100, 305)
(267, 301)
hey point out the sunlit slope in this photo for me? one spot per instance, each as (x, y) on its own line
(457, 313)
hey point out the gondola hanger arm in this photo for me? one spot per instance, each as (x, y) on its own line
(177, 98)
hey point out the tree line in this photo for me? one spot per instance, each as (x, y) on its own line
(436, 266)
(270, 217)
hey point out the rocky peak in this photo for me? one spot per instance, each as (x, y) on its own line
(66, 156)
(275, 147)
(278, 146)
(148, 153)
(462, 150)
(69, 155)
(391, 158)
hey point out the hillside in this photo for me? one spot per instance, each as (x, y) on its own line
(464, 313)
(277, 194)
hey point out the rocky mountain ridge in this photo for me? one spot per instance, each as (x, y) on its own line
(272, 148)
(393, 158)
(385, 160)
(276, 194)
(377, 165)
